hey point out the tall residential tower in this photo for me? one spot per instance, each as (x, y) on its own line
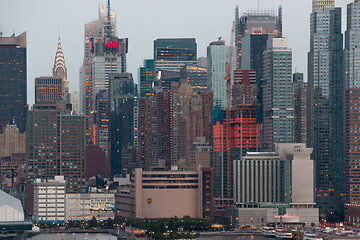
(325, 80)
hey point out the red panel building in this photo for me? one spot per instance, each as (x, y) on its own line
(244, 132)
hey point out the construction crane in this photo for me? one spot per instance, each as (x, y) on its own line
(228, 112)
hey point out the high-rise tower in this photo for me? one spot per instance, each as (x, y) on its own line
(104, 54)
(267, 21)
(278, 109)
(325, 80)
(60, 69)
(352, 112)
(51, 89)
(13, 81)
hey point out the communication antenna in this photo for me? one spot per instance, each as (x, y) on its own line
(258, 6)
(1, 32)
(108, 13)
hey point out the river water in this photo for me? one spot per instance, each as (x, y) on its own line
(100, 236)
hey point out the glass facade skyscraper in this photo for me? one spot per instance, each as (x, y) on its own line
(147, 78)
(325, 80)
(278, 109)
(217, 56)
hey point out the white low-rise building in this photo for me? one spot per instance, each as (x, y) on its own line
(11, 209)
(49, 200)
(85, 206)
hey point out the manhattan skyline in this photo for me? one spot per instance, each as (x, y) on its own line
(142, 22)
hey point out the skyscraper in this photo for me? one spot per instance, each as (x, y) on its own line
(244, 89)
(173, 53)
(104, 53)
(42, 140)
(325, 80)
(147, 78)
(56, 144)
(352, 112)
(55, 87)
(217, 57)
(13, 81)
(71, 147)
(278, 109)
(59, 69)
(122, 101)
(300, 91)
(267, 21)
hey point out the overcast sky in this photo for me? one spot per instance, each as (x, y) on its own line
(141, 21)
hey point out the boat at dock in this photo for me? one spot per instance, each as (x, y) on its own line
(283, 233)
(268, 231)
(312, 236)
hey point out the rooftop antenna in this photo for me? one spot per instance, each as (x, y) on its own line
(258, 6)
(1, 33)
(108, 27)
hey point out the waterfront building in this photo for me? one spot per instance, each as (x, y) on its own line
(173, 53)
(352, 113)
(13, 81)
(326, 86)
(166, 194)
(284, 177)
(278, 109)
(85, 206)
(50, 200)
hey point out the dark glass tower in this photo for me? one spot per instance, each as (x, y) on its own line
(325, 79)
(122, 96)
(13, 81)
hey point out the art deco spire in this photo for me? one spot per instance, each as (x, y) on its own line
(59, 69)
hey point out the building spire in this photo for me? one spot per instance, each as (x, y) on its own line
(59, 69)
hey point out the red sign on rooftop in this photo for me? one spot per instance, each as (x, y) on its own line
(111, 44)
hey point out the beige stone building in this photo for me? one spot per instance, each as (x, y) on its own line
(166, 194)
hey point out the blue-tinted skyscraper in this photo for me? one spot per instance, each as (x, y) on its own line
(325, 78)
(217, 56)
(278, 109)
